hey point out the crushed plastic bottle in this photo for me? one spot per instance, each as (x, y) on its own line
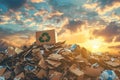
(108, 75)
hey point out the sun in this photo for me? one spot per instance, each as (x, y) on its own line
(94, 45)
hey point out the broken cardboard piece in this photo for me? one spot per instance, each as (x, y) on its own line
(59, 63)
(18, 50)
(79, 58)
(11, 51)
(42, 73)
(7, 75)
(2, 57)
(57, 57)
(54, 75)
(42, 64)
(54, 63)
(75, 70)
(20, 76)
(2, 71)
(113, 64)
(93, 72)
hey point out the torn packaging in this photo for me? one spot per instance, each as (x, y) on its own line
(59, 63)
(7, 75)
(41, 74)
(20, 76)
(113, 64)
(75, 70)
(54, 63)
(93, 72)
(2, 71)
(42, 64)
(54, 75)
(56, 57)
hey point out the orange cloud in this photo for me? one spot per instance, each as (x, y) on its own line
(108, 8)
(37, 1)
(105, 9)
(18, 40)
(90, 6)
(40, 13)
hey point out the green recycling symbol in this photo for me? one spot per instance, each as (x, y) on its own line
(45, 34)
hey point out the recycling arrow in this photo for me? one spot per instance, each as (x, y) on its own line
(42, 39)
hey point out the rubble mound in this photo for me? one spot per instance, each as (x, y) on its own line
(3, 45)
(54, 62)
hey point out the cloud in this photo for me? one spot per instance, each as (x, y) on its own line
(41, 12)
(16, 39)
(90, 6)
(108, 8)
(37, 1)
(3, 8)
(74, 25)
(102, 6)
(60, 4)
(54, 14)
(13, 4)
(109, 32)
(105, 2)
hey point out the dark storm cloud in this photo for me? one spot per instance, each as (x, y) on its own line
(3, 8)
(13, 4)
(7, 33)
(74, 25)
(17, 39)
(105, 2)
(61, 4)
(109, 32)
(4, 32)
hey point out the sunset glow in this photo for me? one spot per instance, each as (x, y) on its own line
(93, 24)
(94, 45)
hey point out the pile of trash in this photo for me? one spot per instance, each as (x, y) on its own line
(55, 62)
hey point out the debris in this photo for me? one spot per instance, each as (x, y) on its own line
(93, 72)
(41, 74)
(56, 61)
(108, 75)
(95, 65)
(54, 75)
(73, 47)
(7, 75)
(42, 64)
(2, 78)
(75, 70)
(113, 64)
(17, 50)
(2, 71)
(11, 51)
(56, 57)
(20, 76)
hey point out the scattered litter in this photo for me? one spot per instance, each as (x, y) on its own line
(55, 62)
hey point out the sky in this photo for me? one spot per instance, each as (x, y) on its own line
(93, 24)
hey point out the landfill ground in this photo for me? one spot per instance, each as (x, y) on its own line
(55, 62)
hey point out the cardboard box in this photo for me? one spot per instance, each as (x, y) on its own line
(46, 37)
